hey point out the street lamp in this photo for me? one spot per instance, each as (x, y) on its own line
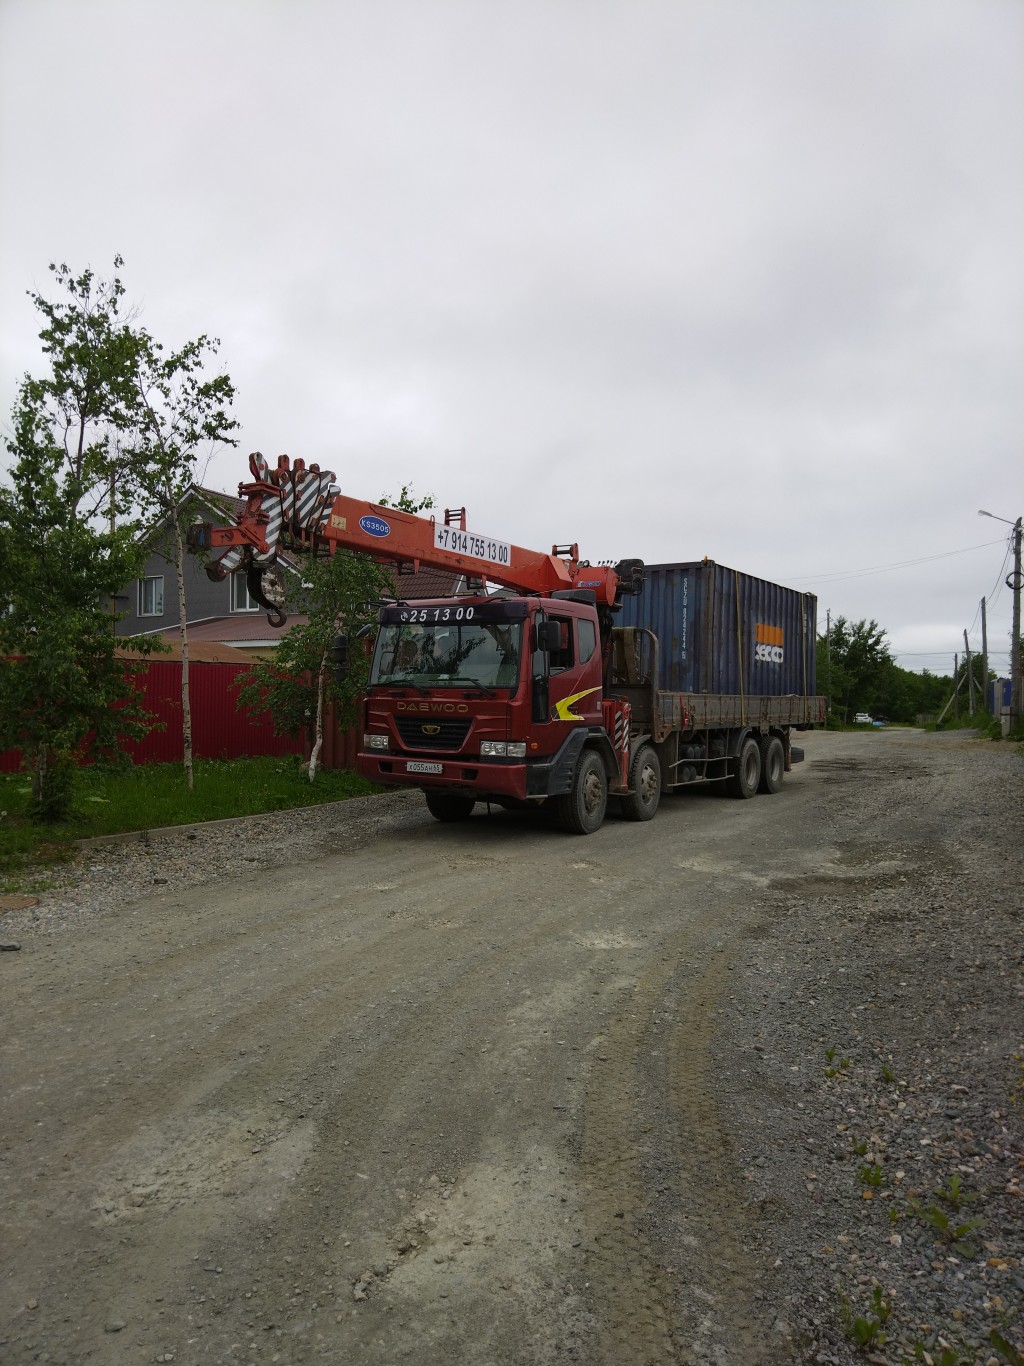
(1013, 581)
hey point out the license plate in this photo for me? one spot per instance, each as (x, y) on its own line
(422, 766)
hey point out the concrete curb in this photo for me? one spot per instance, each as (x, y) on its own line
(167, 831)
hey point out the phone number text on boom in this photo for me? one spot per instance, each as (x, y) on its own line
(465, 543)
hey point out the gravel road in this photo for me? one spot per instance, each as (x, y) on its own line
(740, 1085)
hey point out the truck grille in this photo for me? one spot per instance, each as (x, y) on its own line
(426, 733)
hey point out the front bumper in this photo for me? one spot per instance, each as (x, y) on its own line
(472, 777)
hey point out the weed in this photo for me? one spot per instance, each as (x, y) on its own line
(871, 1175)
(955, 1234)
(830, 1053)
(859, 1146)
(1005, 1348)
(933, 1356)
(865, 1330)
(952, 1192)
(888, 1074)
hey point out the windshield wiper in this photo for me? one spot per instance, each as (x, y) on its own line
(404, 683)
(485, 688)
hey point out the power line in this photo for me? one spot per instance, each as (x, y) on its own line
(838, 576)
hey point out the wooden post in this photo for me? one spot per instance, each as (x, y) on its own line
(984, 657)
(970, 676)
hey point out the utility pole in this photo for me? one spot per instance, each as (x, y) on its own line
(1014, 582)
(970, 676)
(984, 656)
(828, 657)
(956, 687)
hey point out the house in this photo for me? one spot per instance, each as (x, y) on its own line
(223, 612)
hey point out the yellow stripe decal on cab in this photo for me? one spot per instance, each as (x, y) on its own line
(562, 708)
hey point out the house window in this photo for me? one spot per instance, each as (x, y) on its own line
(241, 600)
(151, 596)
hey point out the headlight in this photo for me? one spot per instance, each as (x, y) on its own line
(375, 742)
(500, 749)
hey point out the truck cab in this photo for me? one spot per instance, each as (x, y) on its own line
(488, 698)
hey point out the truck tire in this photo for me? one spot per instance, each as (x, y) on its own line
(645, 780)
(446, 806)
(745, 771)
(773, 764)
(581, 810)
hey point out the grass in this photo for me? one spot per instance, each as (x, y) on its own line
(110, 802)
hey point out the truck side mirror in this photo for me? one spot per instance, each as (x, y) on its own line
(339, 653)
(549, 636)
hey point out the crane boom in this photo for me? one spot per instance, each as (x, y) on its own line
(300, 510)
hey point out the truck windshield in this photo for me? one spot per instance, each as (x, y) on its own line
(448, 654)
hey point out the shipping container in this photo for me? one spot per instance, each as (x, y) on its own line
(724, 632)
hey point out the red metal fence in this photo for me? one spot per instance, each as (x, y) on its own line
(219, 729)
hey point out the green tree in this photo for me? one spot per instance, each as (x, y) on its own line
(340, 594)
(408, 500)
(854, 664)
(178, 414)
(63, 689)
(857, 670)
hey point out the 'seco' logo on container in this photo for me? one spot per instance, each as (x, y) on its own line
(768, 649)
(375, 526)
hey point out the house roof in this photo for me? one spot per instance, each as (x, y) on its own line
(429, 583)
(247, 628)
(199, 651)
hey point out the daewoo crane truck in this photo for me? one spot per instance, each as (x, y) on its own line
(551, 681)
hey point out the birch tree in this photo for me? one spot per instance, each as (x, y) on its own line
(181, 416)
(339, 594)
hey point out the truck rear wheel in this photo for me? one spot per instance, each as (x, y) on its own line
(773, 764)
(581, 810)
(745, 771)
(645, 780)
(446, 806)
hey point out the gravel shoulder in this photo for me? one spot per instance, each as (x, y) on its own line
(738, 1086)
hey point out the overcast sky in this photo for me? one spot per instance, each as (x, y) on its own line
(742, 279)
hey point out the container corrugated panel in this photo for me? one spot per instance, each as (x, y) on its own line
(725, 632)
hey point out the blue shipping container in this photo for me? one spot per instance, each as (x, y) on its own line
(724, 632)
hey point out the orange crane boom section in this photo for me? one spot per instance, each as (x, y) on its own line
(298, 509)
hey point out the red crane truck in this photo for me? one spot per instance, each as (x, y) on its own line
(524, 691)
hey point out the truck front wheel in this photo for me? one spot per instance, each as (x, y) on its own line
(645, 780)
(581, 810)
(444, 806)
(746, 771)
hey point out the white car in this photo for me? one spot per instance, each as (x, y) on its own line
(862, 719)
